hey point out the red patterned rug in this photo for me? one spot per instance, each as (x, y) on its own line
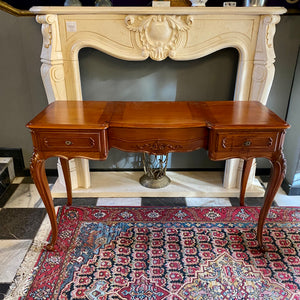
(169, 253)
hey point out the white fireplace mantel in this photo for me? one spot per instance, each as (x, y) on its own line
(137, 33)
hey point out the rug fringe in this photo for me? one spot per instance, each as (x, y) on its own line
(24, 276)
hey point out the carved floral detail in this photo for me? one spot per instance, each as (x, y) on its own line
(270, 21)
(34, 160)
(46, 22)
(270, 141)
(92, 142)
(224, 141)
(158, 147)
(159, 35)
(47, 35)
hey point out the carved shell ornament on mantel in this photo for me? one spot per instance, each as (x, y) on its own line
(159, 35)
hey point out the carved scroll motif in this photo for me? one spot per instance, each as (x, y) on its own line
(271, 21)
(54, 81)
(52, 69)
(263, 71)
(46, 21)
(51, 39)
(224, 141)
(159, 35)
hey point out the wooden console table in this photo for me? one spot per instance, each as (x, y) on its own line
(88, 129)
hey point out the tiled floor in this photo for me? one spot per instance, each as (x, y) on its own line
(22, 212)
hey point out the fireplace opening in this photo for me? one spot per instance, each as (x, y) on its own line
(106, 78)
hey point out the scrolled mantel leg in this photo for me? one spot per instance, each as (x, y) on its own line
(37, 170)
(277, 175)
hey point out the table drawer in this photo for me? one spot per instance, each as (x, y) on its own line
(158, 140)
(71, 141)
(244, 142)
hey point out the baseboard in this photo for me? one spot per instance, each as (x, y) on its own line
(49, 172)
(289, 189)
(263, 172)
(17, 155)
(53, 172)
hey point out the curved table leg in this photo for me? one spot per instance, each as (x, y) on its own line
(37, 169)
(66, 170)
(246, 170)
(277, 175)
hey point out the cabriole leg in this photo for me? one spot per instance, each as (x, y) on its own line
(277, 175)
(37, 169)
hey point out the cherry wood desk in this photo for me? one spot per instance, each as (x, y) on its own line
(88, 129)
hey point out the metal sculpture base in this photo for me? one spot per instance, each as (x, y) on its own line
(154, 183)
(155, 167)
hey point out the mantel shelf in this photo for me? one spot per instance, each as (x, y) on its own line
(81, 10)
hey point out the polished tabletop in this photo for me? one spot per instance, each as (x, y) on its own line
(154, 114)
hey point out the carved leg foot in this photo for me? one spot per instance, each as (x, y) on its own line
(37, 169)
(50, 246)
(277, 175)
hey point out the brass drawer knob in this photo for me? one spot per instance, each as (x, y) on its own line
(68, 143)
(247, 143)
